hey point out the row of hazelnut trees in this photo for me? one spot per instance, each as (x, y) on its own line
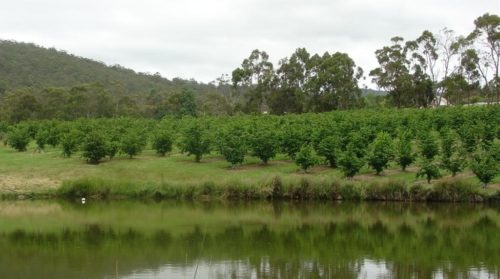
(435, 140)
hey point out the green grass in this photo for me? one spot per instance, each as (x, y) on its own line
(177, 175)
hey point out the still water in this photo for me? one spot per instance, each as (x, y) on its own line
(122, 239)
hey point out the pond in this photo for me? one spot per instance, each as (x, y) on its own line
(124, 239)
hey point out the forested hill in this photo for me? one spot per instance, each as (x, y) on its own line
(41, 83)
(29, 65)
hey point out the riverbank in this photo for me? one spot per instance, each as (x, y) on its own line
(451, 190)
(48, 175)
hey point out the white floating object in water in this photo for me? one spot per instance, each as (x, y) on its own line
(83, 200)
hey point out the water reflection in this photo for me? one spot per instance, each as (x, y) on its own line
(256, 240)
(241, 269)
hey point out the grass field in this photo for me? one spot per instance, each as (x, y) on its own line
(39, 172)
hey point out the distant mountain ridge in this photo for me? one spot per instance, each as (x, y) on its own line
(367, 91)
(30, 65)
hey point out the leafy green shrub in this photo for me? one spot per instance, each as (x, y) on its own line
(162, 142)
(232, 144)
(358, 142)
(404, 153)
(306, 157)
(54, 133)
(488, 133)
(448, 142)
(112, 148)
(349, 161)
(381, 151)
(195, 140)
(70, 142)
(293, 137)
(469, 133)
(41, 139)
(453, 154)
(329, 148)
(455, 163)
(485, 166)
(263, 143)
(495, 150)
(132, 143)
(19, 137)
(428, 145)
(94, 148)
(429, 170)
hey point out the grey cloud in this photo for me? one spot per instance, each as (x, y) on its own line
(202, 39)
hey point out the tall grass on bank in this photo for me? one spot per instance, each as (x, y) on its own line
(452, 190)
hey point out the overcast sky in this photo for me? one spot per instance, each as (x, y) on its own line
(203, 39)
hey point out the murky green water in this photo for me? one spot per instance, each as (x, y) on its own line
(248, 240)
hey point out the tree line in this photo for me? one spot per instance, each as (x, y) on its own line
(38, 83)
(302, 83)
(414, 73)
(443, 65)
(450, 139)
(93, 101)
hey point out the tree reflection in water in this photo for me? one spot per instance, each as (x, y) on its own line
(330, 241)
